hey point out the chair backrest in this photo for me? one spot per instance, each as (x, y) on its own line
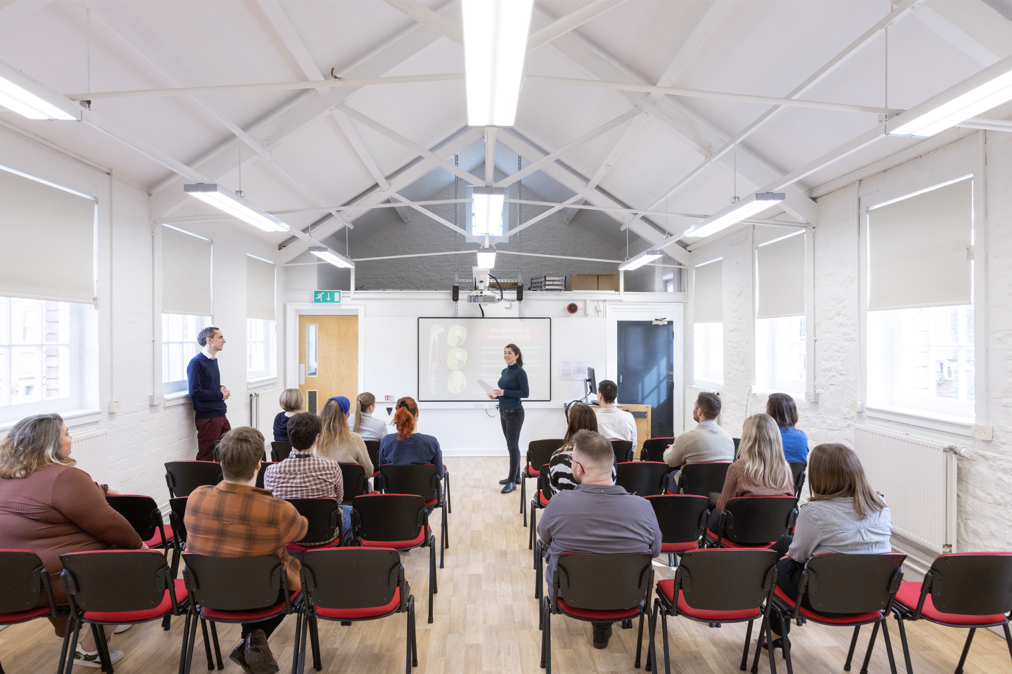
(177, 517)
(799, 469)
(140, 511)
(324, 515)
(754, 520)
(419, 478)
(540, 452)
(355, 481)
(703, 478)
(389, 517)
(972, 583)
(653, 448)
(114, 581)
(234, 583)
(350, 578)
(643, 478)
(682, 517)
(280, 451)
(601, 582)
(737, 441)
(623, 450)
(373, 447)
(185, 476)
(22, 576)
(839, 583)
(718, 579)
(264, 465)
(545, 481)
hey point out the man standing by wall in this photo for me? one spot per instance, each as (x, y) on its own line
(207, 393)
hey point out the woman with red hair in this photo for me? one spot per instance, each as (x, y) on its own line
(408, 447)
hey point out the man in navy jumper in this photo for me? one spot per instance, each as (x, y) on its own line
(207, 393)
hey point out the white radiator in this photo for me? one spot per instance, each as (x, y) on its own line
(92, 455)
(917, 476)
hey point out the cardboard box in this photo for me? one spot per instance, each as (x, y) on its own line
(583, 282)
(607, 282)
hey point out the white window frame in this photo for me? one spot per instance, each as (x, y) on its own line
(258, 377)
(164, 344)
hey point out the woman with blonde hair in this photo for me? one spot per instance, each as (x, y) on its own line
(366, 425)
(292, 401)
(336, 441)
(408, 447)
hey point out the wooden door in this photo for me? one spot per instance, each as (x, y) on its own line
(328, 359)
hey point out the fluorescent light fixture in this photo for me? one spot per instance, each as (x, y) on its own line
(486, 256)
(495, 42)
(327, 255)
(233, 204)
(973, 96)
(487, 208)
(746, 207)
(27, 97)
(638, 261)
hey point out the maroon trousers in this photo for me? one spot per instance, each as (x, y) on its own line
(209, 431)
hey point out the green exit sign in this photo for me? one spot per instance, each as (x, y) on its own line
(327, 297)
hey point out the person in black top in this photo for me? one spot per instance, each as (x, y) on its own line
(512, 389)
(292, 401)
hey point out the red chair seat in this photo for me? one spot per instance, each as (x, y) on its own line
(668, 588)
(247, 616)
(678, 547)
(397, 545)
(910, 593)
(360, 613)
(738, 546)
(430, 503)
(21, 616)
(532, 471)
(295, 547)
(140, 616)
(156, 540)
(844, 620)
(542, 500)
(591, 614)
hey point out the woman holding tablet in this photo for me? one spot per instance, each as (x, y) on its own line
(512, 389)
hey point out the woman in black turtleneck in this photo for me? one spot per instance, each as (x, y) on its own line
(512, 388)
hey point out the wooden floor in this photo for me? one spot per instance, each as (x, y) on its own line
(486, 619)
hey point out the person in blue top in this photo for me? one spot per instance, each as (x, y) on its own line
(407, 447)
(781, 407)
(207, 393)
(511, 392)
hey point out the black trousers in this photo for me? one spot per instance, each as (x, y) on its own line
(269, 625)
(512, 422)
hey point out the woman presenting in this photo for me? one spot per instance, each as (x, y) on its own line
(512, 388)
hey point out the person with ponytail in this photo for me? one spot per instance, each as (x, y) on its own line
(407, 447)
(512, 389)
(337, 442)
(366, 425)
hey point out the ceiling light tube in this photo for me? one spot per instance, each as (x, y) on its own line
(327, 255)
(233, 204)
(486, 256)
(495, 42)
(487, 209)
(975, 95)
(745, 207)
(25, 96)
(638, 261)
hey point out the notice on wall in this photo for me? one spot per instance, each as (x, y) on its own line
(573, 370)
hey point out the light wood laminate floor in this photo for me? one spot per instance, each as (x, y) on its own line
(486, 619)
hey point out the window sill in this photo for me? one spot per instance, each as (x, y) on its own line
(176, 399)
(705, 385)
(73, 419)
(263, 383)
(951, 425)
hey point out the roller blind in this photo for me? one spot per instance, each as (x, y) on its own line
(781, 267)
(186, 273)
(917, 249)
(259, 289)
(708, 303)
(48, 241)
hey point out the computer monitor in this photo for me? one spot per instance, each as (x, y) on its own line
(591, 382)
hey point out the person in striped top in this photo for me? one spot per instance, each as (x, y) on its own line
(560, 468)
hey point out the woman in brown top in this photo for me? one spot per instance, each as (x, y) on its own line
(51, 508)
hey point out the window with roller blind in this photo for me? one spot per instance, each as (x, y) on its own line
(920, 318)
(780, 315)
(186, 302)
(708, 324)
(261, 352)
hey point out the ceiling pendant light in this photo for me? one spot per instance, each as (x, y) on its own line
(327, 255)
(495, 42)
(745, 207)
(25, 96)
(486, 256)
(487, 208)
(235, 205)
(638, 261)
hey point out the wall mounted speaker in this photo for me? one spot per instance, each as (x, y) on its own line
(572, 307)
(456, 293)
(520, 292)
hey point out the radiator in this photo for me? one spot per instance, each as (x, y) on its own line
(917, 476)
(92, 455)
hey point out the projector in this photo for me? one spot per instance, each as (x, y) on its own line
(483, 297)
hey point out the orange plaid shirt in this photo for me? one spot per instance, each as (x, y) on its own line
(231, 520)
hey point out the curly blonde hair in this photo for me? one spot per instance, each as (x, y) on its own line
(33, 443)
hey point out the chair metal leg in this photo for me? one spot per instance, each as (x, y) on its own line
(534, 526)
(189, 644)
(966, 649)
(314, 642)
(639, 643)
(547, 635)
(414, 641)
(446, 482)
(850, 653)
(903, 641)
(664, 639)
(102, 647)
(748, 639)
(299, 645)
(68, 630)
(541, 626)
(443, 543)
(166, 622)
(651, 651)
(1008, 639)
(186, 636)
(523, 497)
(432, 578)
(871, 647)
(207, 644)
(787, 646)
(217, 648)
(889, 645)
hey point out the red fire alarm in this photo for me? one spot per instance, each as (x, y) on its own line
(572, 308)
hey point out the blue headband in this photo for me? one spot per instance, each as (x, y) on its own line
(343, 402)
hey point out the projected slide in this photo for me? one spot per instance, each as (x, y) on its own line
(454, 353)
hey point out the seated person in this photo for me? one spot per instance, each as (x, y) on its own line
(292, 402)
(844, 516)
(613, 423)
(706, 442)
(781, 407)
(337, 442)
(407, 447)
(235, 519)
(304, 474)
(51, 508)
(598, 516)
(366, 425)
(761, 470)
(560, 468)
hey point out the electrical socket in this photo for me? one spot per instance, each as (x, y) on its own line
(982, 432)
(114, 407)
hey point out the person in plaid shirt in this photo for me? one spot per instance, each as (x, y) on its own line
(235, 519)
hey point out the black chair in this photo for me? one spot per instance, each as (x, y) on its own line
(355, 481)
(854, 589)
(720, 586)
(653, 448)
(799, 469)
(23, 578)
(395, 521)
(539, 453)
(643, 478)
(177, 519)
(596, 587)
(541, 498)
(324, 515)
(754, 522)
(421, 479)
(144, 516)
(264, 465)
(965, 590)
(683, 519)
(118, 588)
(373, 448)
(737, 441)
(235, 590)
(703, 478)
(183, 477)
(353, 584)
(623, 450)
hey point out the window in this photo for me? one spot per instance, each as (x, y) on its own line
(469, 213)
(780, 345)
(780, 353)
(179, 346)
(708, 324)
(708, 352)
(261, 355)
